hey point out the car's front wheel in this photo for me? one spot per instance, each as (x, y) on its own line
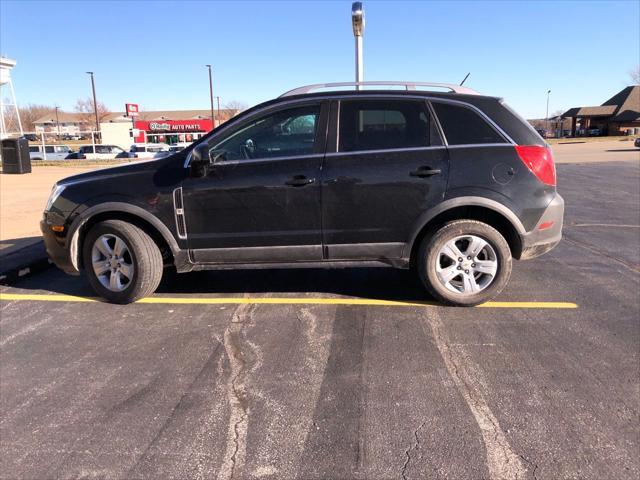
(464, 263)
(121, 261)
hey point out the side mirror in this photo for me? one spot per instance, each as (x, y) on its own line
(200, 154)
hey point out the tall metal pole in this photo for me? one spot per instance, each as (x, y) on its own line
(546, 127)
(357, 22)
(58, 122)
(213, 118)
(95, 102)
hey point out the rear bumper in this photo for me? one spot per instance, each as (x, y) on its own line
(57, 249)
(547, 233)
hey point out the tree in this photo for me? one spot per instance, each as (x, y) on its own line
(634, 74)
(28, 114)
(87, 117)
(236, 105)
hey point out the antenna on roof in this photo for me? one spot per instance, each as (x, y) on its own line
(465, 79)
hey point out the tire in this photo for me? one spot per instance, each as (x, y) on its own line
(473, 281)
(140, 258)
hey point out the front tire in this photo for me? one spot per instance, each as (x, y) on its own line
(122, 262)
(465, 263)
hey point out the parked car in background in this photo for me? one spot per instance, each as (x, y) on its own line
(452, 185)
(636, 143)
(176, 147)
(70, 136)
(594, 132)
(101, 152)
(53, 152)
(148, 150)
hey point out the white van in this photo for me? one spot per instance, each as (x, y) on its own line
(148, 150)
(53, 152)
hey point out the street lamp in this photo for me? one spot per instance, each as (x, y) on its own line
(357, 22)
(547, 116)
(58, 122)
(213, 118)
(95, 102)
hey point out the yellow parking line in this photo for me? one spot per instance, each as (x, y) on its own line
(279, 301)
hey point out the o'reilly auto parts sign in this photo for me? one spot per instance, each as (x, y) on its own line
(174, 125)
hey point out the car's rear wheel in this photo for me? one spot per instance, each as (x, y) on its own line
(464, 263)
(122, 262)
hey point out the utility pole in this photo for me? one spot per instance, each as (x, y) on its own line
(95, 102)
(213, 118)
(546, 127)
(357, 22)
(58, 122)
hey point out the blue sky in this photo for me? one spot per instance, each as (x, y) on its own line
(154, 52)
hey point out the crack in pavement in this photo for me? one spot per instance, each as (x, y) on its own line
(502, 462)
(408, 451)
(236, 393)
(534, 465)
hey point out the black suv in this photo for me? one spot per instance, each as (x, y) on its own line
(453, 184)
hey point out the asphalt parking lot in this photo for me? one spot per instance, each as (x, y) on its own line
(341, 373)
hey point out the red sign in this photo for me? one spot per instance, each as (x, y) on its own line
(132, 109)
(174, 126)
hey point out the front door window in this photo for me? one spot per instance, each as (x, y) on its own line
(286, 133)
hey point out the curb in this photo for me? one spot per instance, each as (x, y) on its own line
(23, 262)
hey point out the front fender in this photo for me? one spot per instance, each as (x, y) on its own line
(117, 207)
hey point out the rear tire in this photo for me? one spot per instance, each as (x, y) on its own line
(465, 263)
(122, 262)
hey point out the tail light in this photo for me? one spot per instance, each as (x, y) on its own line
(540, 161)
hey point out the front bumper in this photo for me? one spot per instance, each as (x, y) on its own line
(547, 233)
(57, 248)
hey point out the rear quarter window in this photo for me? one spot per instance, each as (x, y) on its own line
(463, 126)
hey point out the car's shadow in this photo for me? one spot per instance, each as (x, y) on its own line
(373, 283)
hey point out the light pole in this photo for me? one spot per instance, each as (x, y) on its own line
(95, 102)
(213, 118)
(58, 122)
(546, 126)
(357, 22)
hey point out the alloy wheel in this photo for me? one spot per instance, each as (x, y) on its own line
(112, 262)
(466, 264)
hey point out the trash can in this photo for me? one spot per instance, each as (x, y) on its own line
(15, 155)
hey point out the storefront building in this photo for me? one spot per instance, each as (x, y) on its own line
(171, 131)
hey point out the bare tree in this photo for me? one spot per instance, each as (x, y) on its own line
(236, 105)
(634, 74)
(85, 108)
(28, 114)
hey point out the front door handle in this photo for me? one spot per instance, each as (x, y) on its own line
(424, 172)
(299, 181)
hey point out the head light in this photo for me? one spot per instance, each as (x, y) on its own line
(55, 193)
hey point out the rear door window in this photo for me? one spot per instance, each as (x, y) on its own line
(383, 125)
(48, 149)
(34, 149)
(463, 126)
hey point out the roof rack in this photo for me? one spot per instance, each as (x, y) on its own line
(407, 85)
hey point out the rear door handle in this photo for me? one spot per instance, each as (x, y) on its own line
(424, 172)
(299, 181)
